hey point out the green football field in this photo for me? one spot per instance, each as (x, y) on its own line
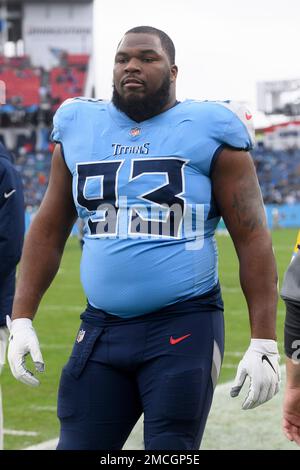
(30, 413)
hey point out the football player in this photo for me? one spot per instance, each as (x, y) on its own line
(150, 176)
(11, 241)
(291, 295)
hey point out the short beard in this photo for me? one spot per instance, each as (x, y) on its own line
(140, 109)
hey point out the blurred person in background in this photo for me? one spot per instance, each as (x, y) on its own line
(290, 293)
(12, 224)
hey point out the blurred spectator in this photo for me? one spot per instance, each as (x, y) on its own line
(278, 174)
(11, 241)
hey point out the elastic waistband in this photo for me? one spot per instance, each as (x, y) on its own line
(209, 302)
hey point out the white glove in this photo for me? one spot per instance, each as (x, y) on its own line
(261, 364)
(22, 341)
(3, 344)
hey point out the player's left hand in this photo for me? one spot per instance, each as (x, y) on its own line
(23, 341)
(3, 345)
(261, 364)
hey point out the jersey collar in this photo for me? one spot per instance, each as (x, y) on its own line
(124, 121)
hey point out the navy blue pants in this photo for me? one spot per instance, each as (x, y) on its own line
(164, 365)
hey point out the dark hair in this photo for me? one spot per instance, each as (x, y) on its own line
(166, 41)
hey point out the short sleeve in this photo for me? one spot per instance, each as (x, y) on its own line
(239, 131)
(55, 134)
(61, 118)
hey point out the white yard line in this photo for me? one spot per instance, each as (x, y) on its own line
(43, 408)
(13, 432)
(46, 445)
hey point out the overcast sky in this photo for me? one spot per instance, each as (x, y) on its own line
(223, 47)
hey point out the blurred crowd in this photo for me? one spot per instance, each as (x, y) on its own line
(31, 94)
(279, 174)
(33, 160)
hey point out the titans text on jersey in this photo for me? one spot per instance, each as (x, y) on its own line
(119, 149)
(144, 192)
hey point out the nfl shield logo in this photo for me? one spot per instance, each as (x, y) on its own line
(80, 336)
(135, 131)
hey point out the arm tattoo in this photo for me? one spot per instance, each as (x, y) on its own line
(248, 209)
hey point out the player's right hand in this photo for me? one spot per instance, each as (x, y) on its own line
(22, 341)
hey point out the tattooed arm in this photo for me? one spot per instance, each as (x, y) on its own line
(238, 197)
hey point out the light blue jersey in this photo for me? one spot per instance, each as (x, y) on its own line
(144, 192)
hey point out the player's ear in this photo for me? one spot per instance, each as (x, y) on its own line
(173, 72)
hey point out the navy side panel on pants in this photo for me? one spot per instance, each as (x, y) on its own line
(162, 364)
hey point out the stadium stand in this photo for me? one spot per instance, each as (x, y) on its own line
(33, 160)
(68, 79)
(22, 82)
(278, 173)
(32, 96)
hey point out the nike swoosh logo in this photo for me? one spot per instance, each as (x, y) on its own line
(265, 358)
(177, 340)
(7, 195)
